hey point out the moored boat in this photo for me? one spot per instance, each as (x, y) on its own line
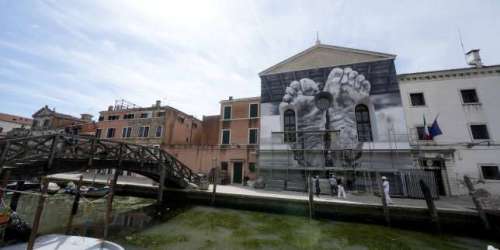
(67, 242)
(53, 188)
(94, 192)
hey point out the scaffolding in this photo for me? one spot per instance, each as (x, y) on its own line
(295, 155)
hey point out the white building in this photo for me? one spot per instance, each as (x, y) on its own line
(466, 102)
(10, 122)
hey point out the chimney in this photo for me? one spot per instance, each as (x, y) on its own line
(158, 103)
(110, 108)
(86, 117)
(473, 59)
(230, 98)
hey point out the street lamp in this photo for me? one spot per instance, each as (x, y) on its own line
(323, 100)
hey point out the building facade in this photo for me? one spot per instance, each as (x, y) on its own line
(229, 141)
(464, 102)
(10, 122)
(47, 120)
(152, 126)
(332, 109)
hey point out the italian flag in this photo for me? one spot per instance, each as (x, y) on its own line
(427, 135)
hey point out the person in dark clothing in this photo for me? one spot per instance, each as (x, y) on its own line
(316, 184)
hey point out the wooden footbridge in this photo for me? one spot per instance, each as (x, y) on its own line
(50, 154)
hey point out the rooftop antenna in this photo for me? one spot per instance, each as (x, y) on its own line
(317, 38)
(462, 44)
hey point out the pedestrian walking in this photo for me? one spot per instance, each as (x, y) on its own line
(316, 184)
(385, 185)
(333, 184)
(340, 188)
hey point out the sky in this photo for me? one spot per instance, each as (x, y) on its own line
(81, 56)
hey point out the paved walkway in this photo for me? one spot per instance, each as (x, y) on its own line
(455, 203)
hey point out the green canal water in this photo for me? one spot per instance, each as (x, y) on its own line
(136, 225)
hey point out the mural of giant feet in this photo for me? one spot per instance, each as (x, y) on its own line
(348, 88)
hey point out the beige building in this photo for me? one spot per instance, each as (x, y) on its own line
(47, 120)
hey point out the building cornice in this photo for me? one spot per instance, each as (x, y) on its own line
(450, 74)
(245, 99)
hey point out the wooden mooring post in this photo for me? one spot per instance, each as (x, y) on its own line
(431, 206)
(38, 213)
(16, 195)
(74, 208)
(477, 203)
(161, 186)
(109, 207)
(214, 189)
(385, 208)
(311, 196)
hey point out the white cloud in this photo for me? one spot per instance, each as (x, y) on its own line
(83, 55)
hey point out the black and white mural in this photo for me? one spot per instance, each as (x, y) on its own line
(362, 105)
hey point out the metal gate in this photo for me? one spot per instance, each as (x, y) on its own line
(411, 183)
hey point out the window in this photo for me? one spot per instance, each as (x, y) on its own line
(143, 132)
(252, 135)
(469, 96)
(363, 123)
(128, 116)
(254, 110)
(126, 132)
(417, 99)
(490, 172)
(223, 165)
(46, 123)
(251, 167)
(101, 118)
(289, 125)
(226, 136)
(144, 115)
(111, 133)
(160, 114)
(113, 117)
(98, 133)
(227, 112)
(158, 131)
(195, 125)
(479, 132)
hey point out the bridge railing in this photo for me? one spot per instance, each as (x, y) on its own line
(20, 151)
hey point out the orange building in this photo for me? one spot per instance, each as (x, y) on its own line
(229, 140)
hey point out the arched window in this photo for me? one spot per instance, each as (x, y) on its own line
(289, 125)
(363, 123)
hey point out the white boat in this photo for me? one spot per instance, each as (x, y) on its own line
(53, 188)
(67, 242)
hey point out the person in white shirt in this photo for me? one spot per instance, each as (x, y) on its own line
(340, 188)
(385, 186)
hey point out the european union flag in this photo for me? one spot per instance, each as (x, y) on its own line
(434, 130)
